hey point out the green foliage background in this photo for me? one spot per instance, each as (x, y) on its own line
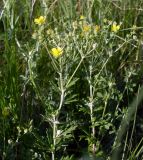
(85, 103)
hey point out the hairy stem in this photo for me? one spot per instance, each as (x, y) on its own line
(91, 109)
(54, 137)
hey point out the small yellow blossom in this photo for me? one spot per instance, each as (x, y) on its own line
(115, 27)
(86, 28)
(82, 17)
(56, 52)
(97, 28)
(41, 20)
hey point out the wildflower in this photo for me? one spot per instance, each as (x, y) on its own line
(56, 52)
(97, 28)
(82, 17)
(41, 20)
(86, 28)
(115, 27)
(5, 112)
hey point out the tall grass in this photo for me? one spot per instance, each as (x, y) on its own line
(83, 101)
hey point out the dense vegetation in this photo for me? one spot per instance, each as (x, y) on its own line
(71, 79)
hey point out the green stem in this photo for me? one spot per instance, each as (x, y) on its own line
(54, 137)
(62, 92)
(55, 117)
(3, 157)
(105, 106)
(91, 109)
(74, 71)
(32, 80)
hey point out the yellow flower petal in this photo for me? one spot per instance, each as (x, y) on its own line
(41, 20)
(97, 28)
(59, 50)
(115, 28)
(82, 17)
(86, 28)
(56, 52)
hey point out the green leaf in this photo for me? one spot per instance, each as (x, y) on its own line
(74, 80)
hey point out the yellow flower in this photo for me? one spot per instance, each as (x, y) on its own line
(56, 52)
(82, 17)
(5, 112)
(115, 27)
(41, 20)
(86, 28)
(97, 28)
